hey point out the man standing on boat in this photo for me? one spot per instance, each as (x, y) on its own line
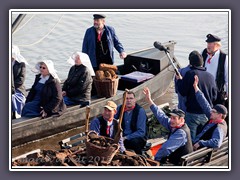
(216, 63)
(195, 117)
(133, 124)
(99, 41)
(106, 125)
(215, 129)
(179, 141)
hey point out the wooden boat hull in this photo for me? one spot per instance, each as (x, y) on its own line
(25, 130)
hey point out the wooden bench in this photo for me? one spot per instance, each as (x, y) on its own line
(207, 156)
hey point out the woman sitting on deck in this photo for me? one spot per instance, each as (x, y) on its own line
(18, 79)
(45, 97)
(78, 85)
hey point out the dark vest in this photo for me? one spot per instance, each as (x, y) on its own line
(103, 127)
(208, 134)
(175, 156)
(134, 118)
(220, 69)
(102, 50)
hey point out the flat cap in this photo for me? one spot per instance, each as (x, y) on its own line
(220, 109)
(99, 16)
(177, 112)
(212, 38)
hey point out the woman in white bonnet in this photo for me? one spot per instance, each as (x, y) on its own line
(18, 79)
(45, 97)
(78, 85)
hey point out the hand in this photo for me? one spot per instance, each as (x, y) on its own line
(178, 77)
(196, 146)
(64, 93)
(123, 55)
(147, 93)
(43, 114)
(195, 83)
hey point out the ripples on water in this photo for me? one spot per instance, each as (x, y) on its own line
(135, 30)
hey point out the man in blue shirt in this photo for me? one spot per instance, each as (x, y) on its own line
(179, 141)
(99, 41)
(106, 125)
(215, 130)
(133, 124)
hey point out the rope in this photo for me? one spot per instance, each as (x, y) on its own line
(25, 45)
(24, 24)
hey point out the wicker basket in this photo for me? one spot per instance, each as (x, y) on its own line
(98, 153)
(106, 88)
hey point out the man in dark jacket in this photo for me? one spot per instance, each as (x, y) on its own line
(78, 85)
(195, 118)
(99, 41)
(179, 142)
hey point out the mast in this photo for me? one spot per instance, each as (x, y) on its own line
(17, 22)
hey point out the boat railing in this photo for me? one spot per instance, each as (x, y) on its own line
(207, 156)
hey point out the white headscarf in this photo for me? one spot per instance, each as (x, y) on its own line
(17, 56)
(84, 59)
(50, 67)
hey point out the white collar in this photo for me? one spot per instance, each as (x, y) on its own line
(44, 79)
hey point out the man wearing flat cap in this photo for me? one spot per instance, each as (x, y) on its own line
(99, 42)
(179, 141)
(106, 125)
(195, 117)
(216, 63)
(215, 129)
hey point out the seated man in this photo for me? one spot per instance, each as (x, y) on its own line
(179, 142)
(215, 130)
(78, 85)
(133, 124)
(106, 125)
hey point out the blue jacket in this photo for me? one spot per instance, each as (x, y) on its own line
(206, 84)
(95, 126)
(140, 123)
(89, 43)
(219, 132)
(175, 141)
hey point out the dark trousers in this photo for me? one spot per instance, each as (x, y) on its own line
(136, 144)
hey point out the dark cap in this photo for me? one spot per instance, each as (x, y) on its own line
(220, 109)
(195, 59)
(177, 112)
(99, 16)
(212, 38)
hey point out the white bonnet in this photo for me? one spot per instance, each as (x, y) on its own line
(84, 59)
(50, 66)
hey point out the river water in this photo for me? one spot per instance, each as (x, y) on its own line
(56, 35)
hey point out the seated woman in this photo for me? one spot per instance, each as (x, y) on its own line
(45, 97)
(18, 78)
(78, 85)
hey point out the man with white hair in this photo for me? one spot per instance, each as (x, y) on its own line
(216, 63)
(78, 85)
